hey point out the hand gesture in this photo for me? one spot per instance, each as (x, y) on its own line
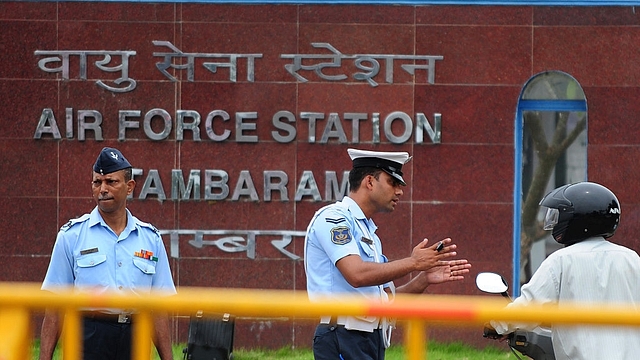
(454, 270)
(427, 257)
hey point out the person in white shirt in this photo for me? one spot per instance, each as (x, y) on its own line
(589, 269)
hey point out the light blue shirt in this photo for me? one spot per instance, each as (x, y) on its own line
(336, 231)
(593, 271)
(90, 257)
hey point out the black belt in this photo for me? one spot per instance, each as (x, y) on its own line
(334, 322)
(338, 326)
(108, 318)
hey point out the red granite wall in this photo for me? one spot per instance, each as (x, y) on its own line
(459, 188)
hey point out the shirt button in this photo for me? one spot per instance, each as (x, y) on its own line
(120, 287)
(119, 263)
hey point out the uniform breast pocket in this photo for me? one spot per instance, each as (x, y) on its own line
(147, 267)
(90, 261)
(91, 269)
(144, 277)
(367, 251)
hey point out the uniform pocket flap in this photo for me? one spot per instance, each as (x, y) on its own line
(91, 260)
(367, 249)
(146, 266)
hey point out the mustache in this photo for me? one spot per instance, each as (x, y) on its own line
(104, 197)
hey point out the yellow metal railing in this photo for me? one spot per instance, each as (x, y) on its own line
(19, 300)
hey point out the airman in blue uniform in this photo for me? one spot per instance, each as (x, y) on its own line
(108, 250)
(343, 256)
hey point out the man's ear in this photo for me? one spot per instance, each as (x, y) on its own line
(131, 185)
(368, 181)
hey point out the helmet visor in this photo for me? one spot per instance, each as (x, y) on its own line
(551, 218)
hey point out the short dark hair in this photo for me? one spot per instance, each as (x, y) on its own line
(128, 174)
(356, 176)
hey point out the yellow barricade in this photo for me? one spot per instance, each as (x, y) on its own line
(18, 300)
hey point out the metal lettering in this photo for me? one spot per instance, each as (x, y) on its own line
(168, 57)
(375, 128)
(84, 126)
(222, 184)
(233, 241)
(63, 57)
(355, 124)
(57, 61)
(388, 123)
(124, 124)
(211, 66)
(288, 128)
(181, 192)
(228, 244)
(280, 186)
(181, 125)
(123, 68)
(333, 128)
(47, 125)
(312, 117)
(216, 185)
(283, 243)
(334, 191)
(435, 133)
(241, 126)
(208, 125)
(430, 66)
(153, 185)
(307, 187)
(373, 69)
(297, 65)
(69, 122)
(245, 130)
(244, 187)
(366, 62)
(166, 121)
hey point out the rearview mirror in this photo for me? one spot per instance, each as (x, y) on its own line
(491, 283)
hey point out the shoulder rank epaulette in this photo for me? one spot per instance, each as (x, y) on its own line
(148, 225)
(72, 222)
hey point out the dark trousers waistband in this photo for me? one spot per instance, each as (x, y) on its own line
(336, 326)
(108, 318)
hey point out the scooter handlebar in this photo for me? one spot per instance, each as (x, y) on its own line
(490, 333)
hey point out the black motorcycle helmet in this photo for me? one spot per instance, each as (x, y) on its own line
(580, 211)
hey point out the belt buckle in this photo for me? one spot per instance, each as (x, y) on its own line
(124, 318)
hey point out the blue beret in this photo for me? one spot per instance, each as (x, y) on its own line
(110, 160)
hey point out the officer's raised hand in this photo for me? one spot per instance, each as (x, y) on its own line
(428, 256)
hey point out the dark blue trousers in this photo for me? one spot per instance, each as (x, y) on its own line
(106, 340)
(334, 342)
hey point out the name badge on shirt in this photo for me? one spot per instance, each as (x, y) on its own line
(366, 241)
(88, 251)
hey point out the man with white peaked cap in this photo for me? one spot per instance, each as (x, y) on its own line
(343, 256)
